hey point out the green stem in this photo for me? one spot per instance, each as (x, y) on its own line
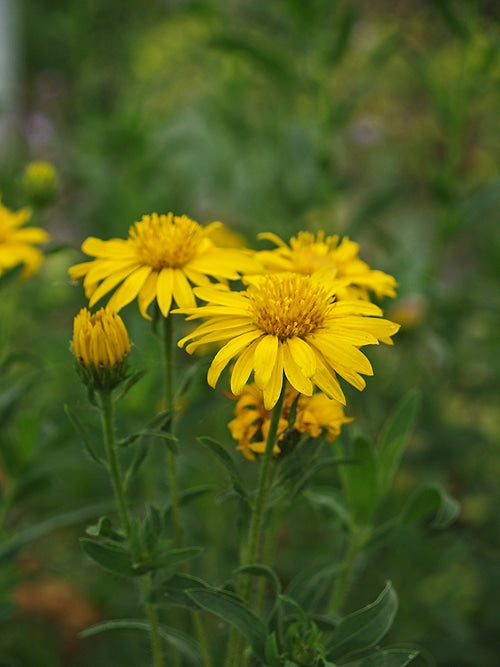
(119, 491)
(236, 645)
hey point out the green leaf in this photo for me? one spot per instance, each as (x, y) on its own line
(258, 570)
(227, 461)
(103, 528)
(110, 556)
(173, 557)
(181, 642)
(389, 657)
(173, 591)
(80, 429)
(232, 610)
(132, 380)
(431, 499)
(312, 586)
(360, 481)
(394, 437)
(364, 628)
(308, 474)
(27, 535)
(271, 651)
(325, 499)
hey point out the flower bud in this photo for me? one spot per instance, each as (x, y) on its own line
(40, 183)
(101, 346)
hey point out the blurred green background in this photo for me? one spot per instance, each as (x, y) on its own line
(378, 120)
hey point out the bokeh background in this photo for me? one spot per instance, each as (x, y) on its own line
(377, 120)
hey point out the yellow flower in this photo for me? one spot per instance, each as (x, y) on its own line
(101, 347)
(161, 259)
(307, 254)
(291, 324)
(314, 415)
(17, 242)
(40, 182)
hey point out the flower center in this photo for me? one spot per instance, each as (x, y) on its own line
(163, 241)
(312, 253)
(288, 304)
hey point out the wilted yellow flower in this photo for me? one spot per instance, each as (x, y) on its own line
(40, 182)
(17, 242)
(307, 253)
(288, 324)
(162, 258)
(314, 415)
(101, 347)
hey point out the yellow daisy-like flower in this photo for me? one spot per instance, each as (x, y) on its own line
(17, 243)
(291, 324)
(163, 256)
(314, 415)
(101, 347)
(307, 253)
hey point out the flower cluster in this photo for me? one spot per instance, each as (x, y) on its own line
(298, 324)
(313, 415)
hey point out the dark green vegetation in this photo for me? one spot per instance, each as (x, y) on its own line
(376, 120)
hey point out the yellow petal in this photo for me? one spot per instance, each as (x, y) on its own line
(164, 290)
(295, 374)
(265, 358)
(182, 290)
(226, 353)
(242, 369)
(106, 286)
(147, 294)
(272, 390)
(129, 289)
(303, 355)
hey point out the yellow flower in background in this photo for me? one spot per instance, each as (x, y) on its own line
(163, 256)
(101, 347)
(307, 253)
(17, 243)
(314, 415)
(40, 182)
(288, 324)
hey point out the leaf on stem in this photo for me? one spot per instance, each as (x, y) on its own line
(233, 610)
(364, 628)
(227, 461)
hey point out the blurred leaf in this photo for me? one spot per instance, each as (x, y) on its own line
(235, 612)
(328, 500)
(312, 586)
(431, 499)
(181, 642)
(11, 275)
(80, 429)
(308, 474)
(227, 461)
(173, 591)
(456, 23)
(103, 528)
(388, 657)
(364, 628)
(27, 535)
(360, 481)
(131, 381)
(173, 557)
(190, 495)
(110, 556)
(258, 570)
(394, 437)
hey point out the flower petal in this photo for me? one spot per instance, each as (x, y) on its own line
(265, 358)
(242, 369)
(294, 373)
(303, 355)
(147, 294)
(272, 390)
(129, 289)
(226, 353)
(182, 290)
(164, 290)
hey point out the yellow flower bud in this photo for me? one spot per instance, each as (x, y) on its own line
(101, 346)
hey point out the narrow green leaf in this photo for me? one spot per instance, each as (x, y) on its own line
(272, 651)
(389, 657)
(181, 642)
(394, 438)
(312, 586)
(364, 628)
(258, 570)
(227, 461)
(80, 429)
(110, 556)
(308, 474)
(132, 380)
(431, 499)
(232, 610)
